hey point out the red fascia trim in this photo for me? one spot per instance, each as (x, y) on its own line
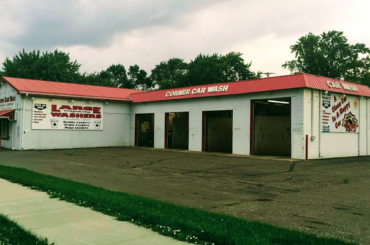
(73, 96)
(9, 114)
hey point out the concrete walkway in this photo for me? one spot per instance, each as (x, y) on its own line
(65, 223)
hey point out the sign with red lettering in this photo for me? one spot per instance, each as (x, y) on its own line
(65, 115)
(339, 113)
(7, 98)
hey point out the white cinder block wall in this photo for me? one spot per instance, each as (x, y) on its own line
(14, 127)
(116, 130)
(362, 127)
(329, 145)
(239, 104)
(313, 120)
(368, 126)
(195, 130)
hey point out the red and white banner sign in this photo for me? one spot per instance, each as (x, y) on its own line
(64, 115)
(339, 113)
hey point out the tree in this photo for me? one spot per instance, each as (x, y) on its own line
(216, 68)
(53, 66)
(169, 74)
(116, 74)
(113, 76)
(330, 55)
(138, 77)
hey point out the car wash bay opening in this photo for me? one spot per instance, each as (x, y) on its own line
(144, 133)
(217, 131)
(271, 126)
(177, 130)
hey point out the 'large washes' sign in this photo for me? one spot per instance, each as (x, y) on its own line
(64, 115)
(339, 113)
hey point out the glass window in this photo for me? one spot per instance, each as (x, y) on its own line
(4, 129)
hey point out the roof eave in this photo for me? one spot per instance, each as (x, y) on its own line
(74, 96)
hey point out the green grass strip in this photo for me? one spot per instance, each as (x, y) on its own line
(182, 223)
(11, 233)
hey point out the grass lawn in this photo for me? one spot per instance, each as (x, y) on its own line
(12, 234)
(183, 223)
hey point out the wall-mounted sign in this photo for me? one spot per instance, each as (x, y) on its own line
(339, 85)
(7, 103)
(339, 113)
(204, 90)
(63, 115)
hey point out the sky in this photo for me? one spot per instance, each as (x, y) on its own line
(100, 33)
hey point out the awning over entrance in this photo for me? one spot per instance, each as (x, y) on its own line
(7, 114)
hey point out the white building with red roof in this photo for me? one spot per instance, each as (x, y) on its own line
(300, 116)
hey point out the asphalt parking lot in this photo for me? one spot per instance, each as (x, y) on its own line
(324, 197)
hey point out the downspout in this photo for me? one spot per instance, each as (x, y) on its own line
(320, 129)
(359, 134)
(14, 126)
(23, 114)
(312, 138)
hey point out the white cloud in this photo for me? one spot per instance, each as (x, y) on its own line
(98, 34)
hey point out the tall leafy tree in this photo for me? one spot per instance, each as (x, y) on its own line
(216, 68)
(52, 66)
(113, 76)
(138, 77)
(169, 74)
(330, 55)
(116, 74)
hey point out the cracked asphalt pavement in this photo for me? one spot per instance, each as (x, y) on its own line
(325, 197)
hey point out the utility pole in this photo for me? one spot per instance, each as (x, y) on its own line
(268, 73)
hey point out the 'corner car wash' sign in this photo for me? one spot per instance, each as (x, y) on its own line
(339, 113)
(64, 115)
(209, 89)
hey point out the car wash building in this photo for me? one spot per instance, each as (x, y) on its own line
(299, 116)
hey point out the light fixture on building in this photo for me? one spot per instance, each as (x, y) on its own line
(32, 98)
(72, 101)
(106, 103)
(278, 102)
(326, 92)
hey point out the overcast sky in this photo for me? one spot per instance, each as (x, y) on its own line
(99, 33)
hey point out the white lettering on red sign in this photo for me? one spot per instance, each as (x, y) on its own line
(178, 93)
(349, 87)
(333, 84)
(344, 86)
(210, 89)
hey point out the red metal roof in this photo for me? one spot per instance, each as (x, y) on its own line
(256, 85)
(70, 90)
(7, 113)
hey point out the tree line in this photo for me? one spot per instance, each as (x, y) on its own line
(328, 54)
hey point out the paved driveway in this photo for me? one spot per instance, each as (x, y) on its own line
(325, 197)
